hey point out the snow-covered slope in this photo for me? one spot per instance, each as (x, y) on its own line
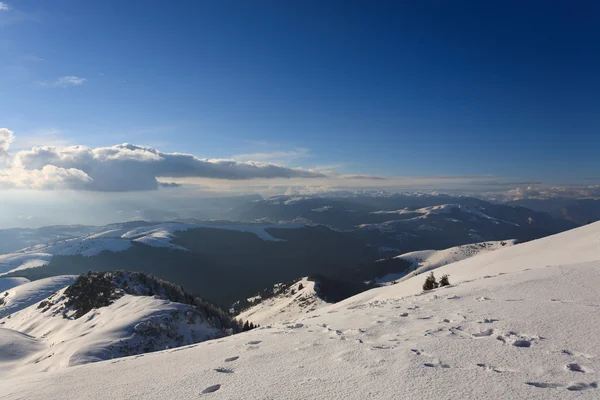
(119, 237)
(9, 283)
(426, 213)
(517, 323)
(427, 260)
(287, 303)
(97, 319)
(23, 296)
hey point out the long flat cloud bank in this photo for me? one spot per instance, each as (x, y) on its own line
(126, 167)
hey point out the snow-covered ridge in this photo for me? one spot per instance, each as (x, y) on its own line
(288, 303)
(118, 239)
(427, 212)
(9, 283)
(22, 296)
(427, 260)
(101, 316)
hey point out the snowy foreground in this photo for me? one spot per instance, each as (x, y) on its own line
(518, 323)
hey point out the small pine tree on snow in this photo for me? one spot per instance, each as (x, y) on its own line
(246, 327)
(430, 282)
(300, 287)
(444, 280)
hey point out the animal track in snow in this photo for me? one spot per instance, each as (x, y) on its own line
(211, 389)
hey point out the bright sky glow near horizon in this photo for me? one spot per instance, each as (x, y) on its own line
(232, 97)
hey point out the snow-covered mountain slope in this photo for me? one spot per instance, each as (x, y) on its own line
(9, 283)
(427, 260)
(520, 323)
(286, 302)
(100, 317)
(119, 237)
(14, 239)
(462, 213)
(19, 297)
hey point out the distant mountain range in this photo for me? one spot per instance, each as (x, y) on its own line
(283, 238)
(582, 211)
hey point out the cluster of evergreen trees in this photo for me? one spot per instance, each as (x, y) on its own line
(431, 283)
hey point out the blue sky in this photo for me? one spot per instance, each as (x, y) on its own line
(500, 90)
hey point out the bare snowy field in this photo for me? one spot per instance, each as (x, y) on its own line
(517, 323)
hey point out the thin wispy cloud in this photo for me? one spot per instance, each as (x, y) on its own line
(3, 6)
(42, 137)
(363, 177)
(65, 81)
(274, 156)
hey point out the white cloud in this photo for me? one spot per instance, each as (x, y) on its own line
(6, 138)
(65, 81)
(549, 192)
(127, 167)
(3, 6)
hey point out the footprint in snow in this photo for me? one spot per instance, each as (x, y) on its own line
(437, 364)
(254, 342)
(576, 354)
(544, 385)
(230, 359)
(574, 367)
(574, 387)
(404, 314)
(211, 389)
(582, 386)
(224, 370)
(487, 332)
